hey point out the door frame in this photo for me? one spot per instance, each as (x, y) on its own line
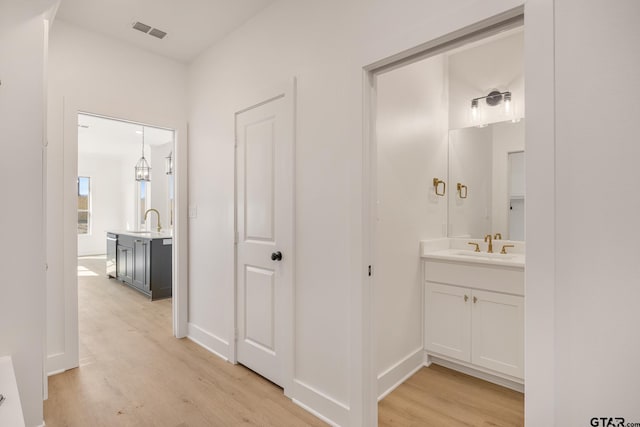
(69, 359)
(287, 91)
(364, 305)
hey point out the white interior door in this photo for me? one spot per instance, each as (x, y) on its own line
(265, 237)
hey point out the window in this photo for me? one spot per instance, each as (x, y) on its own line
(84, 205)
(142, 201)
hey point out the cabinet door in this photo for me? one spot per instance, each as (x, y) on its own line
(124, 264)
(448, 321)
(140, 264)
(498, 332)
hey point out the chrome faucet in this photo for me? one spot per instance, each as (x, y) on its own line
(490, 248)
(157, 213)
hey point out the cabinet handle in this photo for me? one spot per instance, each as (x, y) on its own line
(466, 298)
(475, 300)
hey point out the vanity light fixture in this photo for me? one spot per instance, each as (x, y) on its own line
(168, 163)
(494, 98)
(143, 171)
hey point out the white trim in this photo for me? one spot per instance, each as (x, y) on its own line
(390, 379)
(477, 372)
(315, 413)
(56, 363)
(540, 213)
(325, 407)
(208, 341)
(52, 373)
(362, 307)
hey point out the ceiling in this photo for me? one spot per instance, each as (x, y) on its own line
(107, 136)
(191, 25)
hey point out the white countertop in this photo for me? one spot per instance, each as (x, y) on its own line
(458, 250)
(164, 234)
(11, 408)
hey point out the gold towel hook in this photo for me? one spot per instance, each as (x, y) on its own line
(436, 186)
(462, 190)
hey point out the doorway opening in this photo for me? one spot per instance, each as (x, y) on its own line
(442, 124)
(125, 221)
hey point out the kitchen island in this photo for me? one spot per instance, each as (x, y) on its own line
(141, 260)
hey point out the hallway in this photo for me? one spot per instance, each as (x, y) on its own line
(133, 372)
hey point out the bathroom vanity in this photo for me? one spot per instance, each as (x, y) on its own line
(474, 309)
(142, 261)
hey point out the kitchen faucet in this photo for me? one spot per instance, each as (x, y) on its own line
(157, 213)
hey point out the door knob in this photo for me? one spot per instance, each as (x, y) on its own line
(276, 256)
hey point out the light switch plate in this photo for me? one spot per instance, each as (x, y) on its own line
(193, 211)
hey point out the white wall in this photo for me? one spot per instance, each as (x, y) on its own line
(23, 38)
(160, 186)
(507, 138)
(411, 130)
(325, 44)
(107, 200)
(597, 175)
(95, 74)
(475, 71)
(471, 164)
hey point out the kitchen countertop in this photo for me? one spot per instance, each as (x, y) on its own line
(164, 234)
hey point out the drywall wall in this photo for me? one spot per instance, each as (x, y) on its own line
(98, 75)
(411, 138)
(597, 202)
(474, 71)
(160, 187)
(106, 197)
(325, 45)
(23, 38)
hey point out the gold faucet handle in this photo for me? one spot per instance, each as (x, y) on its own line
(497, 236)
(477, 249)
(504, 248)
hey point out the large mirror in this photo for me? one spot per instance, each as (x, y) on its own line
(486, 181)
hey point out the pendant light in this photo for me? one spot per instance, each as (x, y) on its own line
(143, 171)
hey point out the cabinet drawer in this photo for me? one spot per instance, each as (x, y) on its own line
(508, 280)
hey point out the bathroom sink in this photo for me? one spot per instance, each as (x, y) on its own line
(469, 256)
(485, 255)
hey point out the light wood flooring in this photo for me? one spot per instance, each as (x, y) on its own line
(439, 397)
(133, 372)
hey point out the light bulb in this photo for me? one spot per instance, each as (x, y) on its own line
(474, 109)
(507, 102)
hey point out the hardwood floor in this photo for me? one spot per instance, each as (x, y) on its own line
(133, 372)
(439, 397)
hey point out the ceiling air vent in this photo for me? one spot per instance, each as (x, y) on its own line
(157, 33)
(141, 27)
(147, 29)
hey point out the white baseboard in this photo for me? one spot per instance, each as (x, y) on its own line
(56, 364)
(327, 408)
(209, 341)
(390, 379)
(478, 373)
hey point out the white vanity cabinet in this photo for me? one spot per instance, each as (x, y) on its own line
(474, 314)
